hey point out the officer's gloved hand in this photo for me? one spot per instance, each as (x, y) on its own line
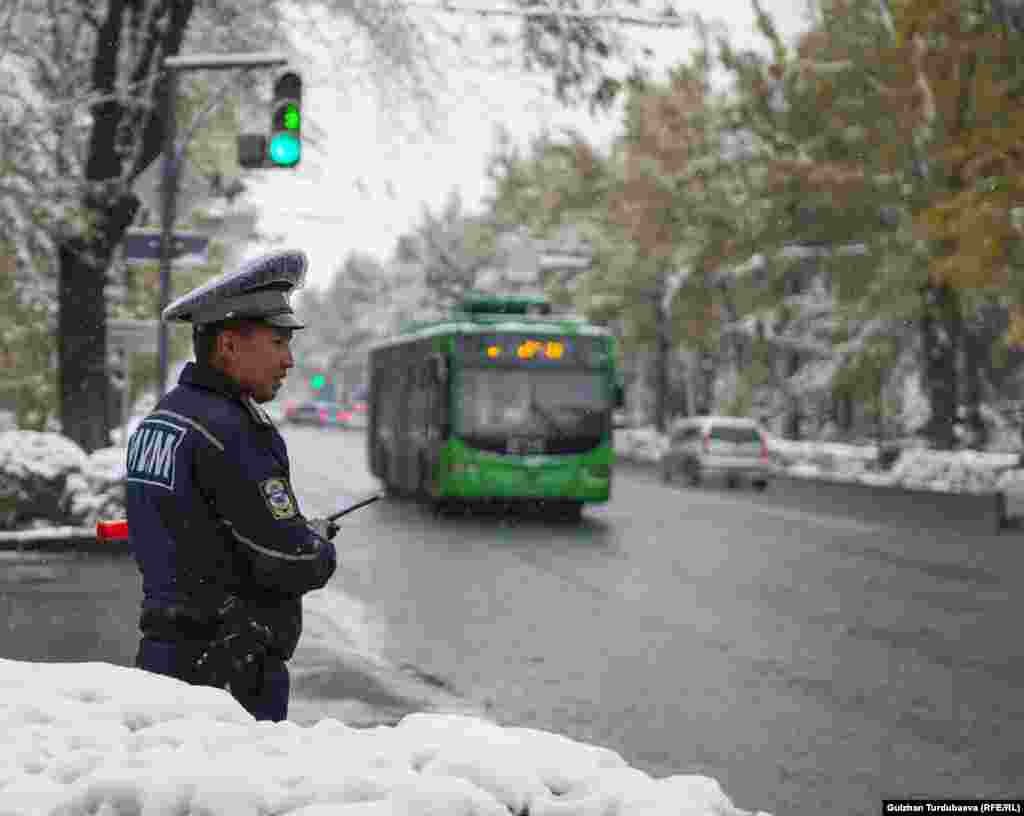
(327, 530)
(238, 653)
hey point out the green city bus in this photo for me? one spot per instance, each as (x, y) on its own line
(499, 400)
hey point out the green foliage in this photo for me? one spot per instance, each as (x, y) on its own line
(1000, 355)
(903, 162)
(894, 125)
(864, 375)
(213, 147)
(26, 348)
(662, 198)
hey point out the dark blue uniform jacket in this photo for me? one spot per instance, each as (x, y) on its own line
(212, 513)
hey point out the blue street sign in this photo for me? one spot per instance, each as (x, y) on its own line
(143, 246)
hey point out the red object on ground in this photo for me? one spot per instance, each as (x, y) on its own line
(112, 530)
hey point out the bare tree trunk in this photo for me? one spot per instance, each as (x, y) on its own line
(84, 258)
(691, 383)
(708, 370)
(974, 364)
(793, 422)
(82, 350)
(661, 363)
(81, 326)
(842, 411)
(940, 339)
(880, 407)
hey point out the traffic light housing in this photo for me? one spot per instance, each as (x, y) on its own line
(284, 145)
(252, 150)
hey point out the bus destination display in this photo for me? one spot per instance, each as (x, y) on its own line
(517, 349)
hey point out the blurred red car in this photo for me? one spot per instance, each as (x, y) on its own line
(358, 414)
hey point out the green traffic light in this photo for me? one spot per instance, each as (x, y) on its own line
(319, 381)
(291, 117)
(285, 149)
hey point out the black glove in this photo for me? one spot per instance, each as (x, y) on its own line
(238, 652)
(324, 528)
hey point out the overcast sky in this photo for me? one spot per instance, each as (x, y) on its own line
(368, 181)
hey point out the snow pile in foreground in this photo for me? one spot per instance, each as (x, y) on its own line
(92, 738)
(962, 471)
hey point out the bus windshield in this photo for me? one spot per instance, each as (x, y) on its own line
(533, 402)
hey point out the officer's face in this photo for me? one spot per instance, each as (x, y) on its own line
(257, 358)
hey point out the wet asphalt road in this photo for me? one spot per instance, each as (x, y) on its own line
(63, 607)
(68, 608)
(809, 662)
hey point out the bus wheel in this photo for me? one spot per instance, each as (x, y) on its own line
(574, 511)
(449, 507)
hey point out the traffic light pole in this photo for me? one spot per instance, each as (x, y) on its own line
(173, 156)
(168, 215)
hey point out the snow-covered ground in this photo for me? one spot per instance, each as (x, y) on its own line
(947, 471)
(92, 739)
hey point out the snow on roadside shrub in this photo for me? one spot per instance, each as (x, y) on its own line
(98, 491)
(45, 478)
(1011, 481)
(642, 444)
(952, 471)
(851, 469)
(916, 467)
(826, 456)
(34, 472)
(877, 479)
(804, 470)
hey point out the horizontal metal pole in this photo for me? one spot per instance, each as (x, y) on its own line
(197, 62)
(665, 21)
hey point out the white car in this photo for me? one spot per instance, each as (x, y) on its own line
(733, 448)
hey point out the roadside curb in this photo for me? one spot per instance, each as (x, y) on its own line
(60, 539)
(968, 513)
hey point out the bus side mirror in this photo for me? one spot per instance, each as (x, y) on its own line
(619, 395)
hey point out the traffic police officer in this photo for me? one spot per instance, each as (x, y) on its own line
(224, 551)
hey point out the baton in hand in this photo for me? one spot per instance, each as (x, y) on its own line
(356, 506)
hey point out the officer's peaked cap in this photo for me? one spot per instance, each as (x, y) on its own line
(258, 290)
